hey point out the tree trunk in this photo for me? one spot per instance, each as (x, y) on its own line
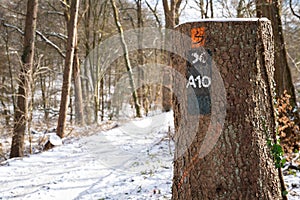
(127, 61)
(20, 118)
(72, 31)
(240, 9)
(12, 86)
(229, 159)
(45, 100)
(77, 86)
(283, 78)
(141, 89)
(85, 74)
(171, 11)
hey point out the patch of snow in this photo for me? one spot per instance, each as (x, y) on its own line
(55, 140)
(292, 182)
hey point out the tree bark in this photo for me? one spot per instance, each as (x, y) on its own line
(283, 78)
(232, 161)
(20, 117)
(77, 86)
(171, 12)
(72, 31)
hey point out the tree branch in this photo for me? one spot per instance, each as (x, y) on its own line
(154, 12)
(58, 35)
(56, 13)
(292, 9)
(49, 42)
(12, 26)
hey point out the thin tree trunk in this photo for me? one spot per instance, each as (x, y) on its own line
(102, 97)
(202, 10)
(45, 101)
(20, 118)
(72, 31)
(85, 82)
(171, 11)
(211, 9)
(12, 87)
(96, 79)
(141, 89)
(240, 8)
(6, 112)
(126, 57)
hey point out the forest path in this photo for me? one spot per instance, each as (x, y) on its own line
(131, 161)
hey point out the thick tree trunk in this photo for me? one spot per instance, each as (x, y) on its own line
(231, 161)
(20, 118)
(72, 31)
(78, 90)
(283, 78)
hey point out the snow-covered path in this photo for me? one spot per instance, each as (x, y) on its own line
(132, 161)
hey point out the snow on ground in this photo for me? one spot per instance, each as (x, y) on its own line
(130, 161)
(292, 182)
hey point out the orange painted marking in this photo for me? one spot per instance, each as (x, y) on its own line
(197, 35)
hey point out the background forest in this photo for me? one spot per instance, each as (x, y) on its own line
(95, 24)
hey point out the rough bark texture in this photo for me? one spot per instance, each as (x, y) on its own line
(20, 118)
(272, 10)
(239, 166)
(72, 31)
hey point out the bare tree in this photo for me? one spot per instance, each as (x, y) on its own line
(126, 57)
(72, 32)
(20, 118)
(283, 78)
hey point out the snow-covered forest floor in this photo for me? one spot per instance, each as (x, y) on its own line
(132, 160)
